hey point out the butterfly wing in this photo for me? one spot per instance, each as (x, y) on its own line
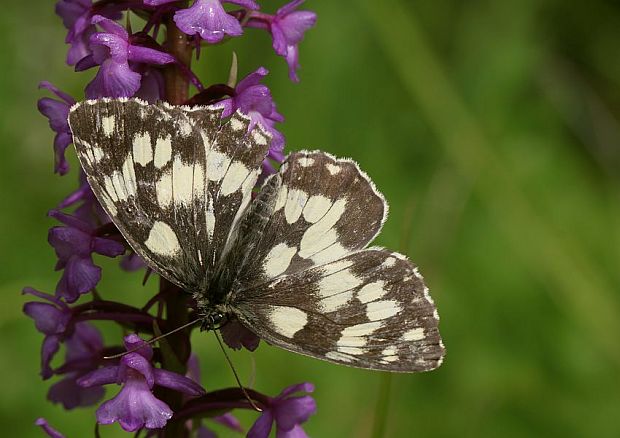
(369, 309)
(160, 171)
(320, 209)
(309, 286)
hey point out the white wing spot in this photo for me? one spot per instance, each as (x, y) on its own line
(320, 241)
(107, 124)
(259, 138)
(352, 341)
(287, 320)
(335, 302)
(142, 150)
(379, 310)
(235, 176)
(97, 154)
(316, 207)
(295, 202)
(182, 181)
(278, 259)
(390, 358)
(332, 168)
(210, 218)
(163, 151)
(306, 161)
(389, 262)
(162, 240)
(356, 351)
(389, 351)
(163, 190)
(119, 186)
(129, 177)
(217, 164)
(336, 266)
(363, 329)
(236, 124)
(372, 291)
(282, 194)
(338, 282)
(415, 334)
(339, 357)
(185, 129)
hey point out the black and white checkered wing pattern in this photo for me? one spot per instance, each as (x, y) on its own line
(370, 309)
(321, 209)
(309, 285)
(158, 172)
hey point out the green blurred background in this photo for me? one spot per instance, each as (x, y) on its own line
(491, 127)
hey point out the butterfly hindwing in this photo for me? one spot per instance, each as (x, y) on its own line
(369, 309)
(156, 170)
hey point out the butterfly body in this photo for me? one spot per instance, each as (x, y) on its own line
(290, 262)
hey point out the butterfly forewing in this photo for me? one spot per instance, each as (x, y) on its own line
(158, 172)
(369, 309)
(323, 208)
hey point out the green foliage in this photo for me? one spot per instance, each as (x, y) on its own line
(491, 127)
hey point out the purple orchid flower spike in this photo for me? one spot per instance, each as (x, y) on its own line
(52, 319)
(113, 50)
(76, 16)
(287, 412)
(57, 112)
(209, 20)
(49, 430)
(254, 99)
(135, 406)
(287, 29)
(74, 245)
(84, 353)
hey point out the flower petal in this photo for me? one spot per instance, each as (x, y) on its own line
(79, 277)
(113, 80)
(293, 411)
(49, 348)
(49, 430)
(149, 56)
(48, 319)
(71, 395)
(99, 377)
(135, 407)
(261, 427)
(175, 381)
(208, 19)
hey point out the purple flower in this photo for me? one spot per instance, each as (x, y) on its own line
(76, 16)
(83, 354)
(53, 320)
(287, 29)
(113, 51)
(288, 413)
(49, 430)
(57, 112)
(254, 99)
(208, 19)
(135, 406)
(74, 245)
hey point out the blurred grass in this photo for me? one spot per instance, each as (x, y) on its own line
(492, 128)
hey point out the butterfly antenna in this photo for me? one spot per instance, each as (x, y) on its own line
(247, 396)
(155, 339)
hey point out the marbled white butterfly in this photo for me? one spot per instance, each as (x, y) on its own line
(291, 265)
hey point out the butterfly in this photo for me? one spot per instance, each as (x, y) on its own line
(289, 262)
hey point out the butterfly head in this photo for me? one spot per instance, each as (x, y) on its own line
(213, 319)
